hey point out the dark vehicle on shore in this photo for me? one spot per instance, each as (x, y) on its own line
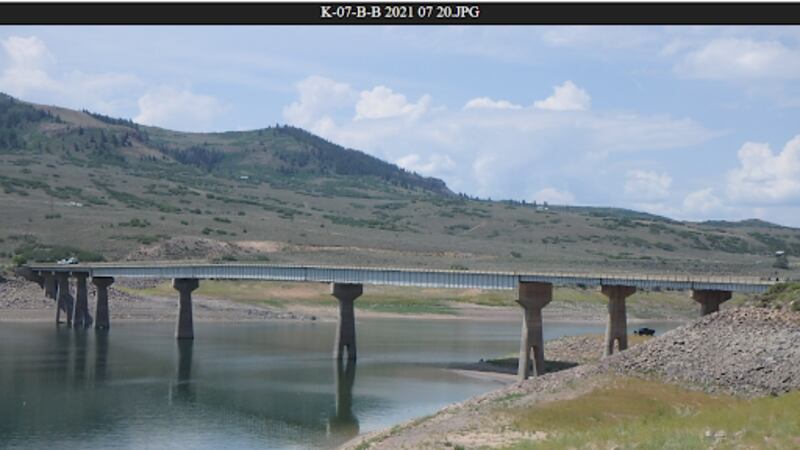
(644, 331)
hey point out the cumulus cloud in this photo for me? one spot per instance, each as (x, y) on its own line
(647, 185)
(488, 103)
(554, 196)
(494, 152)
(381, 102)
(31, 72)
(28, 58)
(764, 177)
(433, 165)
(178, 109)
(319, 97)
(567, 97)
(701, 202)
(726, 58)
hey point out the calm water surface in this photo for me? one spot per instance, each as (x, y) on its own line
(257, 385)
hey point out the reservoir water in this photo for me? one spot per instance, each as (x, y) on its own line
(249, 385)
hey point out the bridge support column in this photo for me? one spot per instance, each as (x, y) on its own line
(346, 294)
(64, 297)
(101, 312)
(617, 327)
(710, 300)
(81, 317)
(50, 286)
(185, 286)
(532, 297)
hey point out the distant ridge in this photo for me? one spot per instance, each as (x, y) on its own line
(282, 149)
(746, 223)
(78, 183)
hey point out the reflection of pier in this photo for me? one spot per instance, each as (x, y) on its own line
(184, 387)
(535, 292)
(343, 424)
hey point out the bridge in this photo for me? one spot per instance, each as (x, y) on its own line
(535, 292)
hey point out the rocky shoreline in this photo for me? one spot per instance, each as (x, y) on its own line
(746, 352)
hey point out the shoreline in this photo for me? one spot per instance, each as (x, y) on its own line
(48, 315)
(21, 300)
(673, 367)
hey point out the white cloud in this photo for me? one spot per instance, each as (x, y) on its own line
(433, 165)
(647, 185)
(567, 97)
(484, 172)
(28, 74)
(488, 103)
(381, 102)
(507, 153)
(319, 97)
(702, 202)
(28, 58)
(554, 196)
(178, 109)
(764, 177)
(735, 58)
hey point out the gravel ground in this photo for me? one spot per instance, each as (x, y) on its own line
(23, 300)
(744, 351)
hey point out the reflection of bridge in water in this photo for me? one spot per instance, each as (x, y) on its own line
(79, 367)
(535, 292)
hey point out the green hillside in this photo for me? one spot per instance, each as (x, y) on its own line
(99, 187)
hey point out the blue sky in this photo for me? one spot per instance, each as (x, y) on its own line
(689, 122)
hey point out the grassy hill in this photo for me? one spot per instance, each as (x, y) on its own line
(80, 183)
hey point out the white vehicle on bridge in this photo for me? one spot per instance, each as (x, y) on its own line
(70, 260)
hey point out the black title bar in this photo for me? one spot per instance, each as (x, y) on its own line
(355, 13)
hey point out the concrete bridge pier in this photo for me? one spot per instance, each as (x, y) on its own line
(710, 300)
(64, 297)
(617, 328)
(50, 286)
(101, 312)
(346, 294)
(532, 297)
(80, 315)
(185, 286)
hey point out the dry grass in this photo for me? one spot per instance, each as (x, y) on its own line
(634, 413)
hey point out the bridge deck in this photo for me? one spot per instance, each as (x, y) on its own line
(405, 277)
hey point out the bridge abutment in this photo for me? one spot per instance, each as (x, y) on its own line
(64, 297)
(101, 308)
(710, 299)
(185, 286)
(80, 315)
(346, 294)
(532, 297)
(617, 327)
